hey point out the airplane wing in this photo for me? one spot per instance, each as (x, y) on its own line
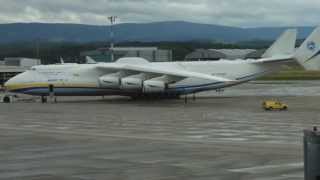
(275, 59)
(153, 70)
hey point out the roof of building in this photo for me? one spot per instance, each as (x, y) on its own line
(12, 68)
(6, 59)
(130, 49)
(234, 53)
(255, 54)
(205, 54)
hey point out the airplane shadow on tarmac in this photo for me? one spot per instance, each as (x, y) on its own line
(199, 101)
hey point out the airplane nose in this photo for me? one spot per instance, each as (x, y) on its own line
(9, 84)
(5, 86)
(23, 80)
(17, 81)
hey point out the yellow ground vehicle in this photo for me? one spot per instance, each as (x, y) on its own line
(274, 105)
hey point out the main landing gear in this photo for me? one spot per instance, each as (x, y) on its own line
(52, 97)
(186, 98)
(44, 99)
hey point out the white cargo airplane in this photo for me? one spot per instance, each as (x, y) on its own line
(137, 77)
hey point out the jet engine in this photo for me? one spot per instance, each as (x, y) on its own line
(154, 86)
(157, 85)
(111, 80)
(134, 82)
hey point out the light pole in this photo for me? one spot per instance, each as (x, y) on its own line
(38, 48)
(112, 20)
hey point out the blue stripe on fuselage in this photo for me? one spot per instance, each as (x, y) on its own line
(66, 91)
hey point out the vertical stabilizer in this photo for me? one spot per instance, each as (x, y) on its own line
(284, 45)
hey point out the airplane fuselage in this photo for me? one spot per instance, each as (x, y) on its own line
(85, 79)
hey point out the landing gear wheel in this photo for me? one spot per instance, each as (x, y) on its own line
(44, 99)
(6, 99)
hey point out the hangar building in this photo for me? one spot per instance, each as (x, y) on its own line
(255, 54)
(204, 55)
(217, 54)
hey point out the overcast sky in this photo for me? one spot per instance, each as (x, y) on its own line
(241, 13)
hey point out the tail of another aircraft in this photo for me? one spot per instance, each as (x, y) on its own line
(284, 45)
(308, 55)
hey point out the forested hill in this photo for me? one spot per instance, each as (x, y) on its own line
(176, 31)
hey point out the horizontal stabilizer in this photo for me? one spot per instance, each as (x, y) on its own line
(284, 45)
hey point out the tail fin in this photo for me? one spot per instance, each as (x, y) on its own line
(284, 45)
(308, 53)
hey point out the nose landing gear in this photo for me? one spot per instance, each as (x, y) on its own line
(6, 99)
(52, 97)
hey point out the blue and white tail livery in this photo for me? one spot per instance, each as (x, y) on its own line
(308, 53)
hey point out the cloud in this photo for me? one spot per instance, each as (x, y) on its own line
(242, 13)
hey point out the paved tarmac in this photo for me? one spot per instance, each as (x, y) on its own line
(218, 136)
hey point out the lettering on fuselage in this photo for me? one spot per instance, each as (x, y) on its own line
(54, 76)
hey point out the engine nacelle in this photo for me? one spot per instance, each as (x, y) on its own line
(134, 82)
(154, 86)
(110, 81)
(131, 83)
